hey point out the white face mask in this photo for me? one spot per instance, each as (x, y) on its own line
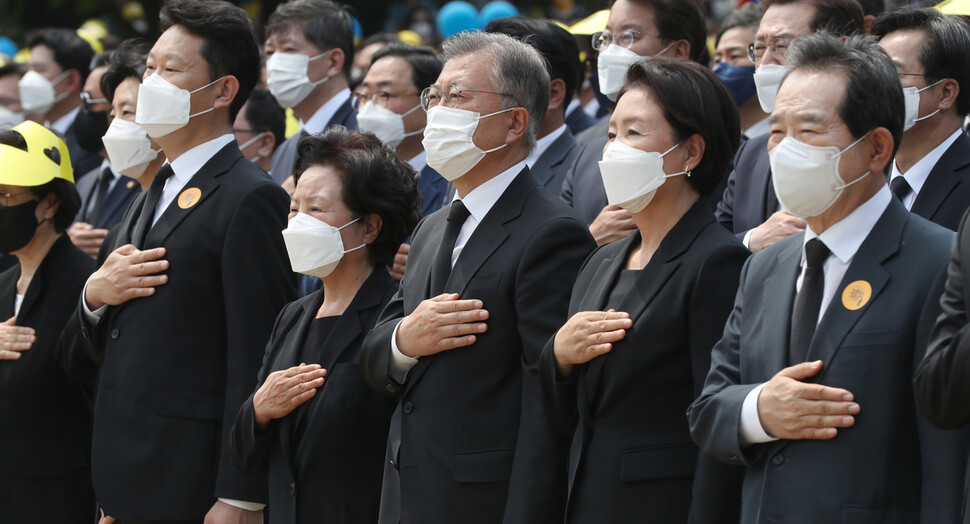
(250, 142)
(37, 93)
(631, 176)
(164, 107)
(314, 246)
(806, 177)
(767, 80)
(386, 124)
(128, 148)
(612, 65)
(9, 119)
(288, 77)
(448, 140)
(911, 98)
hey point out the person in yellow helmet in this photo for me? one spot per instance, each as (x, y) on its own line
(45, 437)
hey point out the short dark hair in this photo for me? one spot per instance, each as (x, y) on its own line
(748, 16)
(841, 17)
(680, 20)
(556, 45)
(264, 114)
(11, 68)
(872, 7)
(378, 38)
(873, 97)
(694, 101)
(69, 200)
(425, 63)
(325, 24)
(70, 50)
(123, 63)
(228, 42)
(101, 59)
(946, 51)
(374, 180)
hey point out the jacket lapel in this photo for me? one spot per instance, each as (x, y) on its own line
(778, 299)
(943, 177)
(115, 198)
(8, 288)
(544, 167)
(343, 116)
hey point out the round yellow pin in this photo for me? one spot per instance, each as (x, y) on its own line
(856, 295)
(190, 197)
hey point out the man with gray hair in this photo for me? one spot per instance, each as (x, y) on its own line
(459, 343)
(810, 386)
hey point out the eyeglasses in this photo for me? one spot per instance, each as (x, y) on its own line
(87, 101)
(624, 39)
(5, 197)
(380, 97)
(432, 96)
(779, 48)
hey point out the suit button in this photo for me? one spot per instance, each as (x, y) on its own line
(408, 407)
(733, 458)
(292, 488)
(390, 388)
(778, 459)
(115, 333)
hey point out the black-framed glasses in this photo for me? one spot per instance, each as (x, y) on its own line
(778, 47)
(432, 96)
(602, 39)
(380, 97)
(87, 101)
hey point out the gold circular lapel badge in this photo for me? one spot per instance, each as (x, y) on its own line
(131, 184)
(190, 197)
(856, 295)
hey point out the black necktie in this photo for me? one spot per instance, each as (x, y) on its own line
(808, 301)
(144, 222)
(104, 182)
(441, 267)
(900, 187)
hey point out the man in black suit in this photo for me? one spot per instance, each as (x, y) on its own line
(483, 292)
(931, 171)
(749, 208)
(315, 41)
(810, 385)
(192, 278)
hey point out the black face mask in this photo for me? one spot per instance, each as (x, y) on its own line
(89, 127)
(17, 226)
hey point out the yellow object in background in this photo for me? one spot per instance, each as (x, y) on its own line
(46, 158)
(292, 123)
(593, 23)
(954, 7)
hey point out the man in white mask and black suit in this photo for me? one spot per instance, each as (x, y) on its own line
(180, 310)
(460, 341)
(810, 386)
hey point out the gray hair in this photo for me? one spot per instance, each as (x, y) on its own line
(518, 71)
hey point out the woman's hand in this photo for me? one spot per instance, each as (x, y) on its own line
(588, 335)
(14, 339)
(284, 390)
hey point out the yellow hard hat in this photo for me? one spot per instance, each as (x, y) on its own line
(45, 159)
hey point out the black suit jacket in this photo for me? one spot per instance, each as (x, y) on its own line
(632, 458)
(82, 160)
(578, 121)
(469, 440)
(749, 197)
(945, 195)
(583, 188)
(891, 465)
(45, 433)
(115, 202)
(176, 366)
(284, 158)
(551, 166)
(334, 474)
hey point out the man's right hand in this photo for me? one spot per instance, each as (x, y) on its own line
(613, 223)
(439, 324)
(791, 409)
(778, 226)
(86, 237)
(127, 273)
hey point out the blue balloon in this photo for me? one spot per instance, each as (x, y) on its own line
(8, 47)
(496, 9)
(358, 30)
(455, 17)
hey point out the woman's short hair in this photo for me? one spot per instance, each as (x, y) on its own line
(694, 101)
(374, 180)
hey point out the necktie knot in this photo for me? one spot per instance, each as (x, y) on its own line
(816, 252)
(458, 212)
(900, 187)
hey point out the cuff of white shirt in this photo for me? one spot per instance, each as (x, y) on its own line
(747, 239)
(242, 504)
(93, 317)
(751, 431)
(400, 363)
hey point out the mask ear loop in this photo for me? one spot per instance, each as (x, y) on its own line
(347, 224)
(844, 185)
(408, 112)
(200, 89)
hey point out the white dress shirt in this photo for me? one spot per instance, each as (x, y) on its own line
(542, 144)
(318, 122)
(185, 167)
(478, 202)
(916, 176)
(17, 302)
(62, 124)
(843, 240)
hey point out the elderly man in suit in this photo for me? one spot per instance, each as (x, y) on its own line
(810, 385)
(192, 278)
(931, 171)
(459, 342)
(748, 206)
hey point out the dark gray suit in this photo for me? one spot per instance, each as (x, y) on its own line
(583, 187)
(115, 203)
(550, 168)
(891, 466)
(946, 193)
(285, 156)
(749, 197)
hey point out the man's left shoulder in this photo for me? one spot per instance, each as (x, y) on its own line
(925, 239)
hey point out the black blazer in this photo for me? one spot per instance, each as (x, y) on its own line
(45, 434)
(334, 475)
(632, 458)
(578, 121)
(115, 203)
(891, 466)
(177, 365)
(551, 166)
(582, 187)
(469, 441)
(945, 195)
(749, 197)
(284, 158)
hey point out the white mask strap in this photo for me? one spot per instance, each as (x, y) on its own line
(934, 84)
(252, 141)
(409, 111)
(843, 186)
(927, 116)
(850, 146)
(664, 50)
(205, 86)
(351, 222)
(497, 112)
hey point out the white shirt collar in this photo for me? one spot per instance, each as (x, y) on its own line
(319, 121)
(759, 128)
(481, 199)
(62, 124)
(916, 176)
(845, 236)
(188, 163)
(419, 161)
(542, 144)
